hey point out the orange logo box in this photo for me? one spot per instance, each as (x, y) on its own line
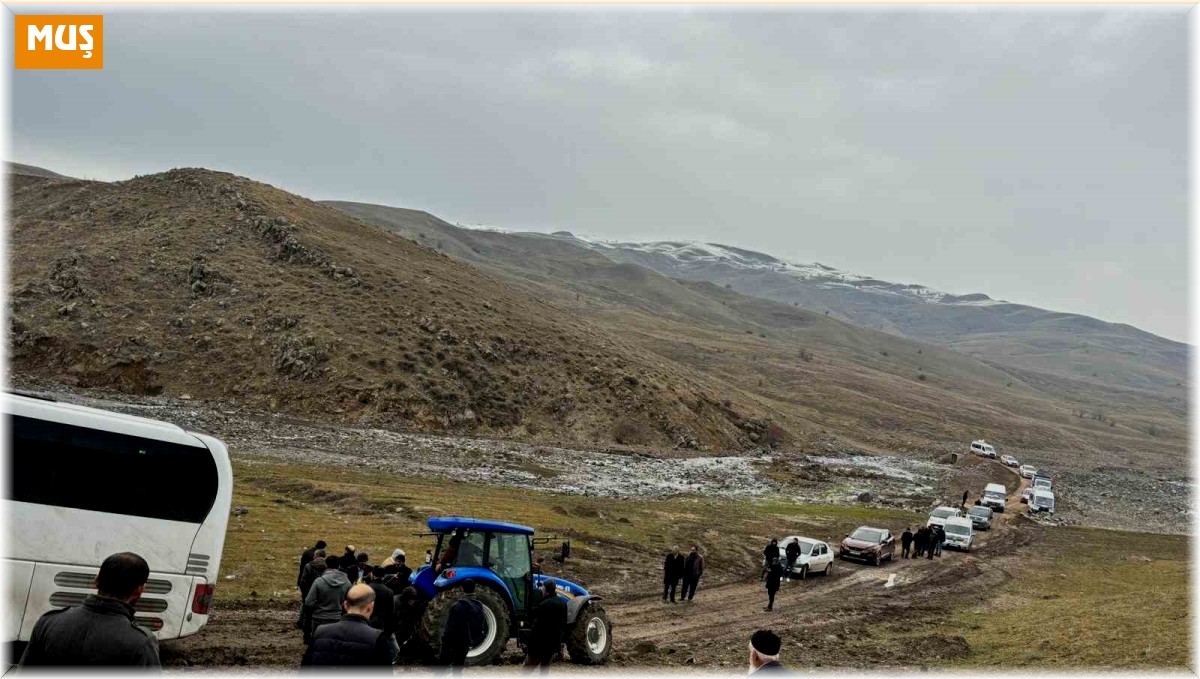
(59, 41)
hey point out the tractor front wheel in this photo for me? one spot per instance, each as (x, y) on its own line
(589, 640)
(496, 623)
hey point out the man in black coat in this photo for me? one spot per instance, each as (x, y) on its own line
(906, 539)
(350, 641)
(308, 555)
(774, 574)
(921, 542)
(312, 570)
(791, 553)
(101, 631)
(549, 623)
(672, 572)
(770, 555)
(464, 629)
(383, 617)
(693, 568)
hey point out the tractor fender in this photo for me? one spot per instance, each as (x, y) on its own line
(576, 604)
(477, 573)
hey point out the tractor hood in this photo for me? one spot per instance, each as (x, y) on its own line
(565, 587)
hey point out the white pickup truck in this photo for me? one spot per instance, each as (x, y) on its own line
(995, 496)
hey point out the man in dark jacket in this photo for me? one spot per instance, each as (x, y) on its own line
(305, 558)
(312, 570)
(101, 631)
(920, 541)
(464, 629)
(323, 605)
(693, 568)
(406, 607)
(906, 539)
(672, 572)
(403, 572)
(791, 553)
(383, 617)
(938, 536)
(774, 574)
(351, 641)
(549, 623)
(770, 555)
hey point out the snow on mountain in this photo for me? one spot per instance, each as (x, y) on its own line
(690, 254)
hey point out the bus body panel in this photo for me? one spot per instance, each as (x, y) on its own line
(55, 551)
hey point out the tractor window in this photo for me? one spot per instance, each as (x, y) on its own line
(510, 560)
(470, 552)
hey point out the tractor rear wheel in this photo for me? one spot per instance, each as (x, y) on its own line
(496, 623)
(589, 640)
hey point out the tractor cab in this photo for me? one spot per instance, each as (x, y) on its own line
(498, 557)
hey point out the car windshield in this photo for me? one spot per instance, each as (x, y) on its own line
(867, 535)
(942, 512)
(981, 511)
(955, 529)
(994, 495)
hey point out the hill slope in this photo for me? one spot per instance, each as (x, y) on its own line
(207, 284)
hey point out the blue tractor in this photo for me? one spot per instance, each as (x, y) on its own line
(498, 557)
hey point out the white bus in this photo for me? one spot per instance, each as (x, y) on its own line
(85, 484)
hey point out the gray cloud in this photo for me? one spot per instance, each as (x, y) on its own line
(1035, 154)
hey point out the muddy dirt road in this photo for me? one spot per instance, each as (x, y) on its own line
(834, 620)
(832, 617)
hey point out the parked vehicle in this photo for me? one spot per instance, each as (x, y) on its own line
(1025, 495)
(86, 483)
(995, 495)
(1010, 461)
(959, 534)
(981, 517)
(497, 556)
(983, 449)
(1027, 471)
(939, 515)
(815, 557)
(868, 544)
(1040, 480)
(1041, 501)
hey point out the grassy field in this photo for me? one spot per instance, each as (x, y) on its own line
(1095, 598)
(614, 542)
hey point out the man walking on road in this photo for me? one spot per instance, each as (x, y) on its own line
(770, 555)
(672, 572)
(906, 539)
(693, 568)
(101, 631)
(323, 604)
(774, 574)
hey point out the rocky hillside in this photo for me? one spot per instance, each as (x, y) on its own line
(201, 284)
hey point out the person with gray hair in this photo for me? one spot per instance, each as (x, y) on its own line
(764, 652)
(350, 641)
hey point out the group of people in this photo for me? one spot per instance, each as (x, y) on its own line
(688, 569)
(926, 542)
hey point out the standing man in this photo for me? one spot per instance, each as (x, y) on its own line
(921, 539)
(100, 631)
(672, 571)
(351, 641)
(693, 568)
(463, 630)
(964, 502)
(312, 570)
(383, 617)
(939, 536)
(770, 555)
(764, 652)
(308, 555)
(323, 605)
(549, 623)
(792, 552)
(774, 574)
(906, 539)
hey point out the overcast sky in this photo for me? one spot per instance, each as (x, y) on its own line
(1034, 154)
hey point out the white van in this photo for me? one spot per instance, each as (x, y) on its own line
(959, 533)
(995, 496)
(86, 484)
(983, 448)
(1041, 500)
